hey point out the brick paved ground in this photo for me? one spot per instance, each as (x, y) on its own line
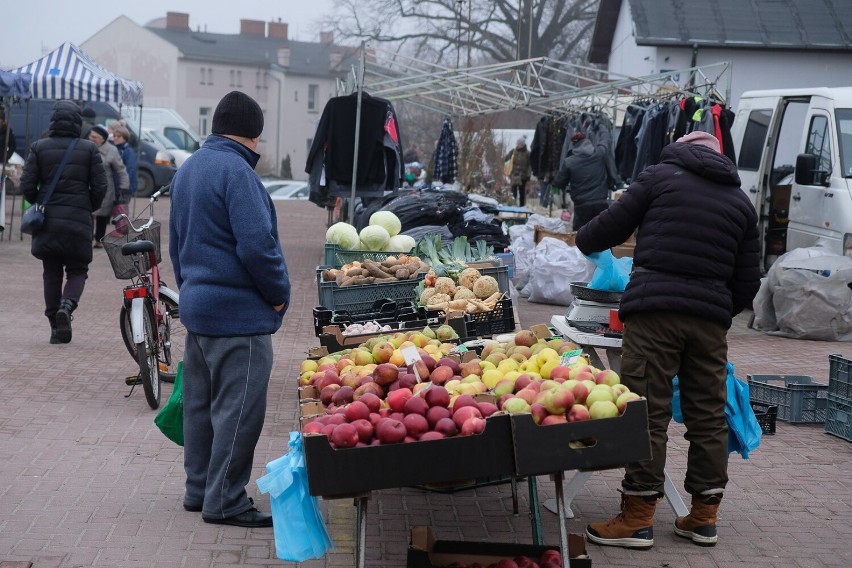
(86, 479)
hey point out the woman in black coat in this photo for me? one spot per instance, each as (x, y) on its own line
(64, 243)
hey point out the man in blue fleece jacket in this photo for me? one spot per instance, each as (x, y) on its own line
(234, 290)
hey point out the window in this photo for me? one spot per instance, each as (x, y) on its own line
(819, 142)
(844, 129)
(313, 96)
(309, 143)
(232, 78)
(754, 139)
(209, 76)
(239, 78)
(296, 96)
(203, 76)
(203, 121)
(257, 79)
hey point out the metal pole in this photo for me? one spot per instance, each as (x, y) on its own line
(360, 86)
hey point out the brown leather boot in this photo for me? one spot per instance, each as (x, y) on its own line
(700, 524)
(632, 528)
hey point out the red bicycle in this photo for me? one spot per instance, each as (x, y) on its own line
(150, 314)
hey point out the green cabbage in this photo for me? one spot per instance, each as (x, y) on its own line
(374, 237)
(388, 220)
(343, 235)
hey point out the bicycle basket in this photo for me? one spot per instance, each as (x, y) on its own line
(123, 266)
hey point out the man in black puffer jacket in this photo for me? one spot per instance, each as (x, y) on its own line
(696, 265)
(64, 243)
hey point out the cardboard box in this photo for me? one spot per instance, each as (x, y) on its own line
(425, 551)
(341, 472)
(590, 444)
(624, 249)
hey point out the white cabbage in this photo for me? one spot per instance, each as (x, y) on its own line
(388, 220)
(374, 237)
(401, 243)
(343, 235)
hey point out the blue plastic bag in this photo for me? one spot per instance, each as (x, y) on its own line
(300, 531)
(611, 274)
(744, 431)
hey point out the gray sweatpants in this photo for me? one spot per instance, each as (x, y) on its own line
(225, 380)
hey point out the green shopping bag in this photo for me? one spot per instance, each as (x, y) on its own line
(170, 418)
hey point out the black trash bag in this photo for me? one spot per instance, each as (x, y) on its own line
(418, 208)
(491, 233)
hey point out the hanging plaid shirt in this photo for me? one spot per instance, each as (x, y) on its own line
(446, 155)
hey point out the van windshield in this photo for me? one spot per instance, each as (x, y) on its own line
(844, 136)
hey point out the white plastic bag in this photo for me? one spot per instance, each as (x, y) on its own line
(555, 266)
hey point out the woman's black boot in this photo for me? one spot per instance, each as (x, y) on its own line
(63, 320)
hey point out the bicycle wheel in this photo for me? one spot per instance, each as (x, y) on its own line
(146, 356)
(172, 339)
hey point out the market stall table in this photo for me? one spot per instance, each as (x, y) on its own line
(612, 346)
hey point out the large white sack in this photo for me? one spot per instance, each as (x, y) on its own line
(555, 266)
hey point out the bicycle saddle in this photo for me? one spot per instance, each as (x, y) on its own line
(137, 247)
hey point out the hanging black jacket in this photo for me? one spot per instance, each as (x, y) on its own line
(81, 188)
(697, 248)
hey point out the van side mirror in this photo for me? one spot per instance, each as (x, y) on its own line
(807, 172)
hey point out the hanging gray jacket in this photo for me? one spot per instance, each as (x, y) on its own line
(584, 168)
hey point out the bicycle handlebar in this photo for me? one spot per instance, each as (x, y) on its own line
(156, 195)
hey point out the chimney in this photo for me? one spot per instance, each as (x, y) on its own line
(253, 27)
(277, 30)
(326, 37)
(177, 21)
(284, 56)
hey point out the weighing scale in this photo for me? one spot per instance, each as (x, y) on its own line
(590, 308)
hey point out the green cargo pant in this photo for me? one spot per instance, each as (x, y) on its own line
(657, 346)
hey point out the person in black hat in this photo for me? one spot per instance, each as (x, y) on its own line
(234, 287)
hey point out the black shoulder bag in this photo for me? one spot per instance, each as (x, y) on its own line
(33, 218)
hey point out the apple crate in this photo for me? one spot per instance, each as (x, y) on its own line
(840, 378)
(800, 399)
(590, 444)
(425, 551)
(838, 417)
(766, 416)
(335, 472)
(362, 298)
(382, 311)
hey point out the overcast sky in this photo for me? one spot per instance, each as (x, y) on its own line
(32, 28)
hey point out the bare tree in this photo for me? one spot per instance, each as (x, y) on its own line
(458, 32)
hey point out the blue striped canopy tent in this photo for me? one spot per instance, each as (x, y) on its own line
(68, 73)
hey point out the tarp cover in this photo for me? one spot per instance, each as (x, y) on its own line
(15, 84)
(68, 73)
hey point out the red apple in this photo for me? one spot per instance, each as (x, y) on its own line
(486, 408)
(451, 363)
(578, 413)
(357, 410)
(390, 431)
(580, 391)
(435, 413)
(373, 402)
(447, 427)
(473, 426)
(461, 415)
(431, 435)
(415, 424)
(406, 381)
(344, 436)
(396, 399)
(327, 429)
(312, 427)
(437, 395)
(327, 392)
(522, 381)
(337, 418)
(383, 351)
(463, 400)
(539, 412)
(343, 395)
(415, 405)
(385, 374)
(365, 430)
(554, 419)
(441, 374)
(559, 401)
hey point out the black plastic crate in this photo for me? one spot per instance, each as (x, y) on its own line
(766, 416)
(486, 324)
(800, 399)
(361, 298)
(383, 311)
(838, 418)
(840, 377)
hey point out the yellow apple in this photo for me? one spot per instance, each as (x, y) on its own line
(491, 377)
(308, 365)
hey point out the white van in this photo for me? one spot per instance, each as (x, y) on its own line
(168, 123)
(794, 156)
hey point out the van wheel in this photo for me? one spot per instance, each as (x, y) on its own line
(146, 184)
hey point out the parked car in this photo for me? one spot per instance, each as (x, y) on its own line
(287, 189)
(152, 136)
